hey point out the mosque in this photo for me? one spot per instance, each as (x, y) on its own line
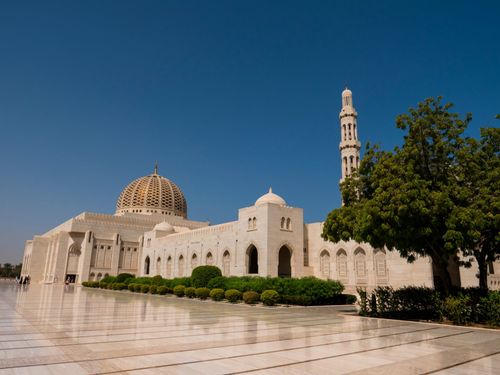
(150, 234)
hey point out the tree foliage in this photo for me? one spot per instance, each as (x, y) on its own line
(404, 199)
(475, 222)
(10, 271)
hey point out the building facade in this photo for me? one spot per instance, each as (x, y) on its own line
(149, 235)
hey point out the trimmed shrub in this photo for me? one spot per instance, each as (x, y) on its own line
(109, 279)
(251, 297)
(179, 290)
(144, 288)
(143, 280)
(119, 286)
(201, 275)
(296, 300)
(162, 290)
(457, 309)
(489, 309)
(86, 284)
(131, 287)
(153, 289)
(217, 294)
(270, 297)
(137, 288)
(121, 278)
(157, 280)
(202, 293)
(190, 292)
(232, 295)
(217, 283)
(186, 281)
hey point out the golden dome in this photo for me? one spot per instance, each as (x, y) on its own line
(153, 194)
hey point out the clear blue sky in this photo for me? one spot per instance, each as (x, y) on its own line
(229, 96)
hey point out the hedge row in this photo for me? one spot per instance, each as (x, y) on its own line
(306, 291)
(268, 297)
(465, 306)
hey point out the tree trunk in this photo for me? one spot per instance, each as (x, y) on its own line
(483, 273)
(442, 278)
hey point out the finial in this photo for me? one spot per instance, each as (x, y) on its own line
(270, 189)
(156, 168)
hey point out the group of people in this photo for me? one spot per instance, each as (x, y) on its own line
(23, 280)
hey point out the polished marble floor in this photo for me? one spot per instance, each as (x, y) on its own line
(46, 329)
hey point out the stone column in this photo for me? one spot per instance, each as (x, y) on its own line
(115, 258)
(85, 256)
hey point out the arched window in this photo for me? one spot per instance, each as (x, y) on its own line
(210, 259)
(252, 260)
(324, 265)
(99, 277)
(342, 264)
(350, 134)
(354, 131)
(288, 224)
(91, 276)
(73, 258)
(282, 223)
(146, 265)
(360, 263)
(380, 263)
(226, 263)
(254, 223)
(346, 171)
(169, 267)
(345, 133)
(158, 266)
(249, 223)
(194, 261)
(180, 266)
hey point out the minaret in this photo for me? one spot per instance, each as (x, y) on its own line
(349, 144)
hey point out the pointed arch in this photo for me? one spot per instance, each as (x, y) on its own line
(284, 262)
(226, 263)
(360, 263)
(209, 258)
(74, 252)
(342, 264)
(380, 264)
(169, 267)
(194, 261)
(158, 266)
(252, 257)
(147, 262)
(180, 266)
(324, 263)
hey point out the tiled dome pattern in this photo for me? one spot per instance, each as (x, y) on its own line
(152, 194)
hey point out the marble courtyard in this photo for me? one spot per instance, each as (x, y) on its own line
(57, 329)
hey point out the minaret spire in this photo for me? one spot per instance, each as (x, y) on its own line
(156, 168)
(349, 143)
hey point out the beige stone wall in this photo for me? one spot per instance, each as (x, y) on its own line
(360, 265)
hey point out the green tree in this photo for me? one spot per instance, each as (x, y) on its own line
(404, 198)
(475, 222)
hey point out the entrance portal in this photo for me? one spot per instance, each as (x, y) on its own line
(70, 278)
(284, 262)
(253, 259)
